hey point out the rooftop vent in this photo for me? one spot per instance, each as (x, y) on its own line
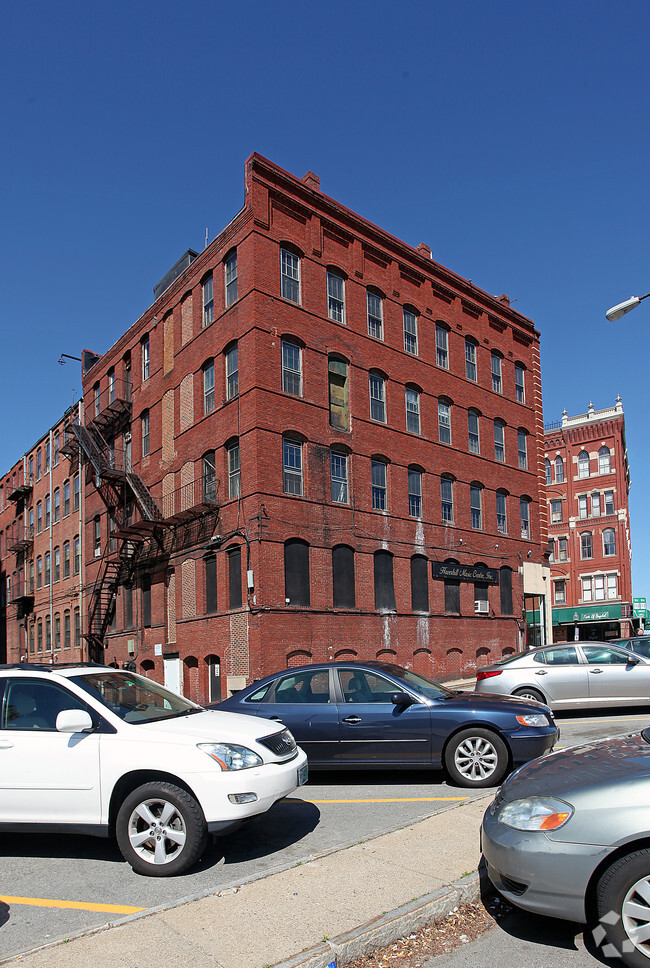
(185, 260)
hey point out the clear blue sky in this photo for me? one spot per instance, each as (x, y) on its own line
(513, 137)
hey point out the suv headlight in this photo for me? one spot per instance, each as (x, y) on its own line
(535, 813)
(231, 757)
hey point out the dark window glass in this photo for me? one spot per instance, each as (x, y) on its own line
(211, 583)
(146, 600)
(343, 576)
(452, 594)
(296, 572)
(234, 578)
(128, 606)
(384, 587)
(419, 584)
(505, 588)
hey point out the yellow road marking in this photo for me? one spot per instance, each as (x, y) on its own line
(390, 800)
(76, 905)
(618, 719)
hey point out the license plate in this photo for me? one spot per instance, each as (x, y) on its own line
(302, 775)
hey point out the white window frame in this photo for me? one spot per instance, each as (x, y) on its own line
(410, 322)
(230, 278)
(232, 372)
(520, 383)
(292, 479)
(447, 500)
(336, 296)
(496, 370)
(208, 388)
(415, 492)
(583, 464)
(290, 275)
(499, 441)
(502, 513)
(471, 369)
(377, 389)
(476, 509)
(375, 310)
(442, 346)
(444, 422)
(340, 492)
(522, 450)
(234, 470)
(378, 484)
(208, 300)
(412, 400)
(291, 375)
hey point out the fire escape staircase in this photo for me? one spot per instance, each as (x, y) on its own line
(114, 571)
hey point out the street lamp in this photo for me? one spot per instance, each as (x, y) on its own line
(622, 308)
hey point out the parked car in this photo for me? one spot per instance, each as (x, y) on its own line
(567, 836)
(571, 676)
(640, 644)
(91, 749)
(376, 715)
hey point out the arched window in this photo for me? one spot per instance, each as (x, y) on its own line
(609, 542)
(209, 474)
(499, 441)
(412, 409)
(296, 572)
(419, 583)
(497, 381)
(583, 464)
(586, 545)
(343, 576)
(447, 499)
(384, 586)
(559, 470)
(476, 511)
(452, 591)
(505, 589)
(470, 359)
(547, 470)
(336, 295)
(444, 420)
(604, 463)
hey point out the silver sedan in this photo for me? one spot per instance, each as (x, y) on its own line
(571, 676)
(567, 836)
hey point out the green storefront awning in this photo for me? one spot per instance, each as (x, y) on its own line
(587, 613)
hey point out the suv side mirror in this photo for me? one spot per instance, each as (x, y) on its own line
(74, 721)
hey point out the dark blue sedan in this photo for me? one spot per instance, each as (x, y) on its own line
(375, 715)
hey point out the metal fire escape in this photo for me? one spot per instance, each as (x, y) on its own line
(141, 533)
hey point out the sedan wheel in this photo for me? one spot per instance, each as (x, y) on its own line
(623, 900)
(160, 830)
(529, 693)
(476, 758)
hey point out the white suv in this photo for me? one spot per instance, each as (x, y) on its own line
(95, 750)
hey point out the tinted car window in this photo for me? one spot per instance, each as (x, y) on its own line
(562, 656)
(357, 685)
(301, 687)
(599, 655)
(35, 704)
(259, 694)
(642, 647)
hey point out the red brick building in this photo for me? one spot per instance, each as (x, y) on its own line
(41, 553)
(587, 486)
(316, 443)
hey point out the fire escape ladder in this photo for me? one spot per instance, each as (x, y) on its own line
(114, 571)
(148, 507)
(91, 447)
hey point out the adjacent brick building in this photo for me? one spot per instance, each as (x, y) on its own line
(316, 443)
(41, 554)
(587, 486)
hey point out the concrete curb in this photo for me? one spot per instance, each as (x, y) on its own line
(389, 927)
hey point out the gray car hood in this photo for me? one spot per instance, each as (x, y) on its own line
(623, 758)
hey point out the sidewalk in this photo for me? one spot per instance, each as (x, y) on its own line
(329, 909)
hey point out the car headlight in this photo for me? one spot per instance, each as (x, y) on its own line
(535, 813)
(231, 757)
(533, 719)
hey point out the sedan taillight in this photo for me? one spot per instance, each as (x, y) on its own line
(487, 675)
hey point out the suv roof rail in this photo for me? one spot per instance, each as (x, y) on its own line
(51, 666)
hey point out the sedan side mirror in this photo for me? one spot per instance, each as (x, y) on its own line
(74, 721)
(633, 660)
(402, 699)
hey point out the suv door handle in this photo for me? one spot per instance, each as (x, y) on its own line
(352, 719)
(595, 672)
(542, 672)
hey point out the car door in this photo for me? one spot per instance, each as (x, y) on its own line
(303, 701)
(615, 675)
(45, 776)
(562, 674)
(375, 731)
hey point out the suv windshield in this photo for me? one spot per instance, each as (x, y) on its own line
(133, 698)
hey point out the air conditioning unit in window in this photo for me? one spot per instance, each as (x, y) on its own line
(482, 608)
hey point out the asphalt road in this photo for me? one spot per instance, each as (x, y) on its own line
(54, 886)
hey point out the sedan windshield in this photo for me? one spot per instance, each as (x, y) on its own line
(427, 687)
(133, 698)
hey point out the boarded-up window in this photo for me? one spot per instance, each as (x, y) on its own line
(452, 592)
(168, 426)
(419, 584)
(128, 606)
(338, 394)
(187, 324)
(211, 583)
(168, 343)
(343, 577)
(234, 578)
(480, 591)
(296, 572)
(384, 586)
(505, 587)
(171, 605)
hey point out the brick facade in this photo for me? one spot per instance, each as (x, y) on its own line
(303, 406)
(587, 487)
